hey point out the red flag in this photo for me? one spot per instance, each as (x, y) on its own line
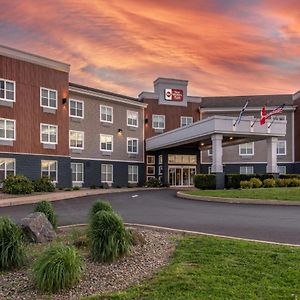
(263, 115)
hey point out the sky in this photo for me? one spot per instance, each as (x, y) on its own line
(223, 47)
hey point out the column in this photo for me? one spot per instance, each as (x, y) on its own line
(272, 155)
(217, 153)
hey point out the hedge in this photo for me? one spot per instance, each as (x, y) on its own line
(232, 181)
(205, 181)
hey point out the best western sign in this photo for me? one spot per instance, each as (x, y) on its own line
(173, 95)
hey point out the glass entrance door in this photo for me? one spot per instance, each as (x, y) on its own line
(181, 175)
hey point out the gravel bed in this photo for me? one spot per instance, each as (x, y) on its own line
(142, 262)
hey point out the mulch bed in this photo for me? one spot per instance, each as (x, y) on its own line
(143, 261)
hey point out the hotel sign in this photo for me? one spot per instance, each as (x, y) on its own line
(173, 95)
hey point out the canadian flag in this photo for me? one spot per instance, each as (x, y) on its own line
(263, 115)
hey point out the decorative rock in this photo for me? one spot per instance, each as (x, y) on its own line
(37, 228)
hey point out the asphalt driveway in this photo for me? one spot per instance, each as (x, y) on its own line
(163, 208)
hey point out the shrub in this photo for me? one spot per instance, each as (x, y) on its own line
(233, 180)
(281, 182)
(12, 253)
(287, 176)
(76, 188)
(256, 183)
(43, 184)
(293, 182)
(153, 182)
(47, 208)
(269, 183)
(246, 184)
(135, 237)
(18, 184)
(107, 236)
(59, 267)
(99, 206)
(205, 181)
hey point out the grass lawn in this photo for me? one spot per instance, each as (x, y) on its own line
(214, 268)
(284, 193)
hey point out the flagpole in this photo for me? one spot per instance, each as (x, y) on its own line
(254, 122)
(271, 123)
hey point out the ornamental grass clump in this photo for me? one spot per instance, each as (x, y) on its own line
(12, 253)
(108, 237)
(47, 208)
(99, 206)
(59, 267)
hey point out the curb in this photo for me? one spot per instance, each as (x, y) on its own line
(182, 231)
(183, 195)
(70, 195)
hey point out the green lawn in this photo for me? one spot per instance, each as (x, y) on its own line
(214, 268)
(284, 193)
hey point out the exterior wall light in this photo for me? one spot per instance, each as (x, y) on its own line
(146, 121)
(202, 144)
(64, 101)
(120, 131)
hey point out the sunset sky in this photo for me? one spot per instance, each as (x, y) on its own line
(223, 47)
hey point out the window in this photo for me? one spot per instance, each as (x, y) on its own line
(281, 148)
(76, 139)
(279, 118)
(106, 173)
(48, 134)
(106, 114)
(76, 109)
(150, 170)
(281, 169)
(48, 98)
(158, 121)
(7, 90)
(150, 159)
(132, 174)
(132, 118)
(77, 172)
(209, 152)
(246, 170)
(160, 170)
(182, 159)
(106, 142)
(160, 159)
(49, 169)
(7, 129)
(184, 121)
(246, 149)
(7, 168)
(132, 145)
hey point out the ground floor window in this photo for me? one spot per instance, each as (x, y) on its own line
(7, 168)
(182, 159)
(132, 174)
(49, 169)
(106, 173)
(77, 172)
(246, 170)
(281, 169)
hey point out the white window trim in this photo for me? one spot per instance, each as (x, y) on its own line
(247, 172)
(208, 153)
(72, 116)
(49, 90)
(137, 174)
(76, 131)
(152, 156)
(5, 138)
(6, 159)
(56, 173)
(137, 119)
(112, 114)
(137, 145)
(77, 163)
(112, 173)
(186, 117)
(281, 154)
(41, 134)
(243, 154)
(112, 142)
(164, 117)
(14, 83)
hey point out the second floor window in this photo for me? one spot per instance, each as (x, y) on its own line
(76, 109)
(132, 145)
(48, 98)
(7, 90)
(106, 114)
(76, 139)
(246, 149)
(185, 121)
(158, 121)
(7, 129)
(106, 142)
(132, 118)
(48, 134)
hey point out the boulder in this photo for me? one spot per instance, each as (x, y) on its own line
(37, 228)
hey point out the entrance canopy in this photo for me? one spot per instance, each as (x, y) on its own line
(200, 133)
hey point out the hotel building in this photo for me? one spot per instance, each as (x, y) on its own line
(83, 136)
